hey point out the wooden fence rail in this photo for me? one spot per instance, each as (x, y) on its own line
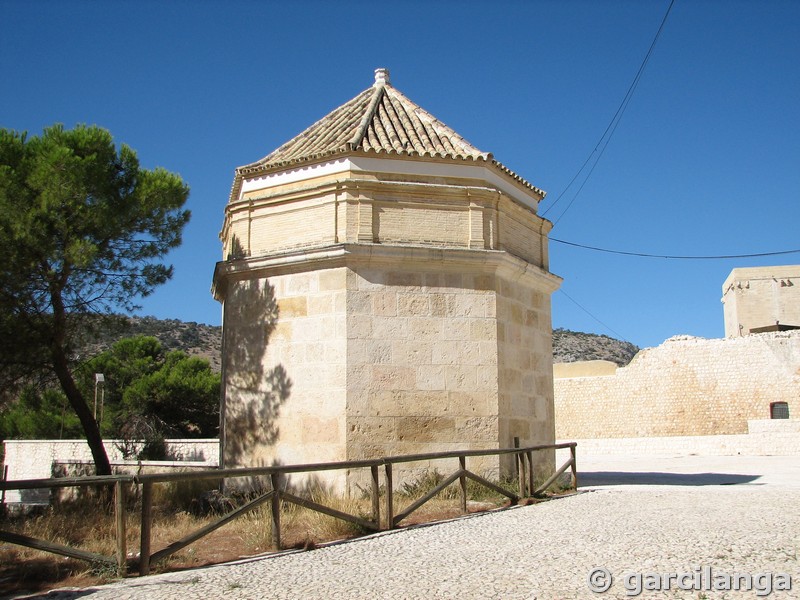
(524, 457)
(118, 481)
(277, 494)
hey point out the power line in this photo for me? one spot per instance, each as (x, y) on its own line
(602, 143)
(575, 302)
(674, 257)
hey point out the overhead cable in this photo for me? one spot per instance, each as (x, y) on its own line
(575, 302)
(602, 143)
(674, 256)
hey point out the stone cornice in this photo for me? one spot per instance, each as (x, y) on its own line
(385, 188)
(384, 256)
(491, 165)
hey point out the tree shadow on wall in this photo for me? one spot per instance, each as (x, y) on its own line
(254, 395)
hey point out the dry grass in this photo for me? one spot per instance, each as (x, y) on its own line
(300, 527)
(88, 524)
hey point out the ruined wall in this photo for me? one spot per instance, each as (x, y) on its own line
(685, 387)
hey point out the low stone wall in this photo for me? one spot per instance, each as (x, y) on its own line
(684, 387)
(777, 437)
(35, 459)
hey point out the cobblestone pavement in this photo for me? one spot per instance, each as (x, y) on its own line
(707, 525)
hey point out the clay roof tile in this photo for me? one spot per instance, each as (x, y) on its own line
(379, 119)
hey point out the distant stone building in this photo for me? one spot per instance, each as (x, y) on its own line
(385, 290)
(759, 299)
(688, 387)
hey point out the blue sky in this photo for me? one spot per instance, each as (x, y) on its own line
(705, 161)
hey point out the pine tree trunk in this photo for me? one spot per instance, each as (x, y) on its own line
(90, 428)
(102, 465)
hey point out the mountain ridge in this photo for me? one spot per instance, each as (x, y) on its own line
(573, 346)
(205, 341)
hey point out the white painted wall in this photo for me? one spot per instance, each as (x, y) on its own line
(33, 459)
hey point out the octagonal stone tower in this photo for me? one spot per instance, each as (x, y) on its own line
(385, 290)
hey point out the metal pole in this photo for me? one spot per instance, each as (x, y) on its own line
(99, 381)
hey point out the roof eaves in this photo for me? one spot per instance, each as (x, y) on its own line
(260, 169)
(518, 178)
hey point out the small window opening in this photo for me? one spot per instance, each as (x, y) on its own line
(779, 410)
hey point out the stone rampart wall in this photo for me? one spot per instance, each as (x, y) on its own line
(684, 387)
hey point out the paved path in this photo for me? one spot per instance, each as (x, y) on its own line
(681, 515)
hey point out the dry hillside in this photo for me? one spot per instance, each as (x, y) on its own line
(572, 346)
(196, 339)
(206, 341)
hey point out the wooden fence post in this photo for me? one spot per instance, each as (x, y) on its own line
(520, 469)
(462, 482)
(574, 468)
(147, 523)
(3, 497)
(119, 514)
(389, 498)
(376, 492)
(526, 470)
(531, 478)
(276, 510)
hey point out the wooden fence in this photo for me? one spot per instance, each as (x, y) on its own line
(276, 495)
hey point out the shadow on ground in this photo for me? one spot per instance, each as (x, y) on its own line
(593, 478)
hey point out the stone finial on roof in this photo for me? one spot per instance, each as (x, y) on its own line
(381, 76)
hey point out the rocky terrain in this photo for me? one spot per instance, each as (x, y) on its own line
(572, 346)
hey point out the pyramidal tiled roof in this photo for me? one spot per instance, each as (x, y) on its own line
(379, 120)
